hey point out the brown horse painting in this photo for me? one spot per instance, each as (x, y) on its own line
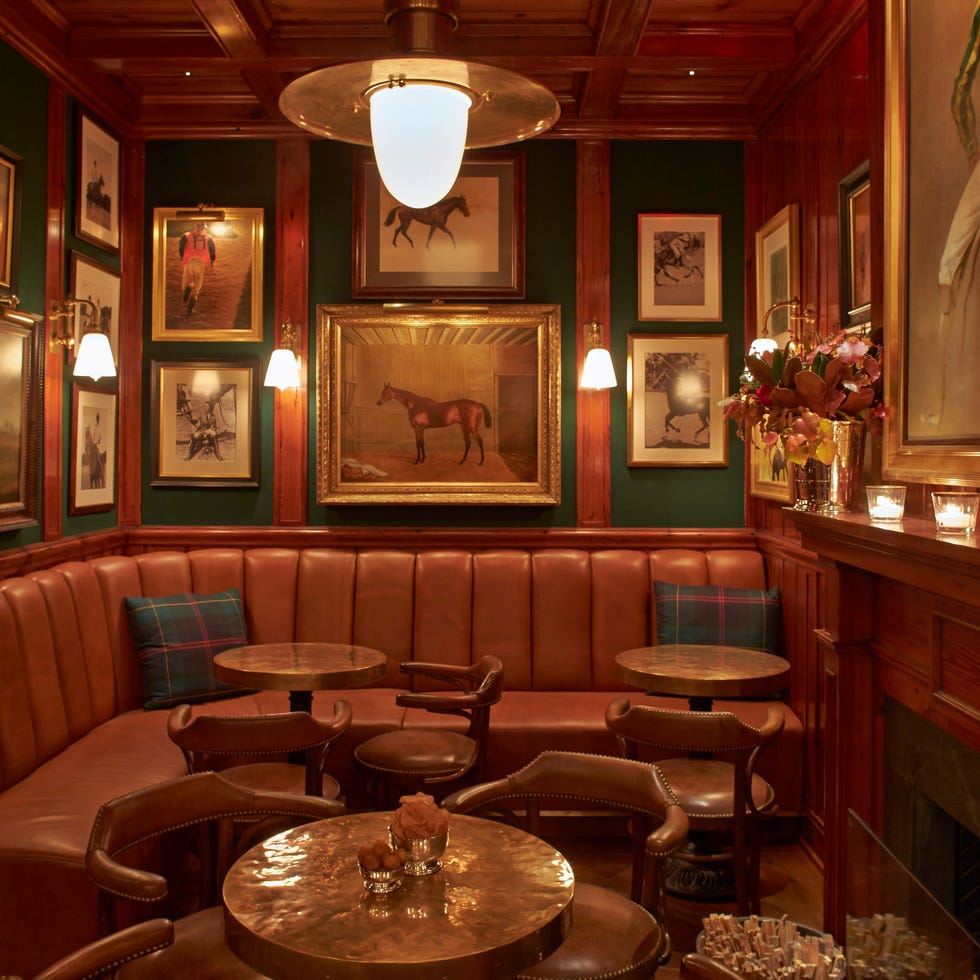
(424, 413)
(434, 216)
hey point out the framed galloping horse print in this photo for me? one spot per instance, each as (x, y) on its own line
(470, 244)
(438, 405)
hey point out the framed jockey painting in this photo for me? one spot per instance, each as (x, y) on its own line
(436, 404)
(470, 244)
(673, 386)
(93, 449)
(98, 191)
(101, 286)
(207, 274)
(679, 267)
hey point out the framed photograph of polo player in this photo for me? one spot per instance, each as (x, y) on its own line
(436, 404)
(673, 386)
(98, 185)
(101, 286)
(207, 274)
(679, 267)
(92, 485)
(10, 183)
(470, 244)
(205, 422)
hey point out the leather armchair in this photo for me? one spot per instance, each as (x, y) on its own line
(610, 935)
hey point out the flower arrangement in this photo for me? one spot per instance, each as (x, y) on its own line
(791, 397)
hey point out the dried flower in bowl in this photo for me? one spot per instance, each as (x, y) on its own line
(419, 816)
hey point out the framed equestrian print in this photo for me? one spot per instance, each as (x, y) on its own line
(679, 267)
(98, 197)
(471, 244)
(101, 286)
(673, 386)
(93, 449)
(205, 422)
(777, 272)
(207, 274)
(10, 179)
(438, 405)
(854, 233)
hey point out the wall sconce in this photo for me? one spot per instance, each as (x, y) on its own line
(283, 370)
(597, 372)
(800, 322)
(94, 357)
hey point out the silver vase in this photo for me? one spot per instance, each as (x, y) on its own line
(834, 487)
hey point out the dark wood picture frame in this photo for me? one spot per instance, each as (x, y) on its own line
(97, 188)
(854, 231)
(497, 368)
(21, 399)
(480, 252)
(202, 410)
(10, 194)
(92, 453)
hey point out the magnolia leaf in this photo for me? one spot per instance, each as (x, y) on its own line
(760, 370)
(832, 373)
(857, 401)
(785, 398)
(819, 364)
(792, 367)
(778, 358)
(813, 391)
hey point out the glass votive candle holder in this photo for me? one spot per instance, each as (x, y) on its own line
(956, 511)
(886, 503)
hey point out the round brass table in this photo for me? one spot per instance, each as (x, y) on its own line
(300, 668)
(296, 908)
(702, 672)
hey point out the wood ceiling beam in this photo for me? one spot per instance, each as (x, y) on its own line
(236, 25)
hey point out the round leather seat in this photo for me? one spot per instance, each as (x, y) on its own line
(277, 777)
(612, 937)
(413, 751)
(704, 788)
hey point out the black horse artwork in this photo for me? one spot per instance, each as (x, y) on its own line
(96, 199)
(424, 413)
(686, 384)
(676, 257)
(435, 217)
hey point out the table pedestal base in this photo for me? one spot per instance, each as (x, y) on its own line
(700, 871)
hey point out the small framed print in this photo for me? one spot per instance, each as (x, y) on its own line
(10, 179)
(854, 223)
(93, 449)
(97, 206)
(673, 386)
(777, 272)
(205, 423)
(101, 286)
(207, 275)
(469, 244)
(769, 475)
(679, 275)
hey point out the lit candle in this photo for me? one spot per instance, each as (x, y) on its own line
(953, 517)
(884, 509)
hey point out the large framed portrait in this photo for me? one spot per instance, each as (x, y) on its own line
(679, 273)
(207, 275)
(673, 386)
(468, 245)
(435, 405)
(93, 449)
(854, 230)
(777, 272)
(98, 185)
(10, 183)
(205, 422)
(932, 290)
(21, 369)
(101, 286)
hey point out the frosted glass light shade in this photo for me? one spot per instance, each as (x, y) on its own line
(419, 133)
(598, 371)
(94, 359)
(760, 345)
(283, 370)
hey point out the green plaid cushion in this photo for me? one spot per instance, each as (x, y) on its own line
(176, 638)
(716, 615)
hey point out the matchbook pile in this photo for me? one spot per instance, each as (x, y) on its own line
(883, 947)
(771, 949)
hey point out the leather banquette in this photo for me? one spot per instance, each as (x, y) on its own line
(73, 732)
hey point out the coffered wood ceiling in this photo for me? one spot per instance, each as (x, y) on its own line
(619, 68)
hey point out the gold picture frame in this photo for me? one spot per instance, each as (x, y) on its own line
(777, 272)
(673, 386)
(931, 346)
(93, 449)
(10, 188)
(210, 296)
(102, 287)
(436, 404)
(854, 232)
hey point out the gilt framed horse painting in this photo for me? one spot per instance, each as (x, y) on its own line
(469, 244)
(436, 405)
(93, 449)
(97, 187)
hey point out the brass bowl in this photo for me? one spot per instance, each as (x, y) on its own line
(424, 853)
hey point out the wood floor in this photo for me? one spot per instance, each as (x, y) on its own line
(791, 884)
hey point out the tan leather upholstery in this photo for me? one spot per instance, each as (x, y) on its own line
(415, 759)
(716, 793)
(253, 751)
(611, 936)
(194, 825)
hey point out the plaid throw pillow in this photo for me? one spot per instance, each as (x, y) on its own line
(716, 615)
(176, 638)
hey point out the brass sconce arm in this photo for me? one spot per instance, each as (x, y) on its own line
(63, 310)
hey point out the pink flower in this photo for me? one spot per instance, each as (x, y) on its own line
(851, 350)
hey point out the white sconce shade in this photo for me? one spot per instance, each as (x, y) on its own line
(597, 371)
(94, 358)
(283, 371)
(760, 345)
(419, 132)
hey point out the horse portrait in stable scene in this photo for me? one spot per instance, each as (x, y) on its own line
(434, 216)
(425, 413)
(684, 381)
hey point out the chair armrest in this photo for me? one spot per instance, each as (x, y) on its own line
(437, 700)
(104, 956)
(451, 673)
(123, 881)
